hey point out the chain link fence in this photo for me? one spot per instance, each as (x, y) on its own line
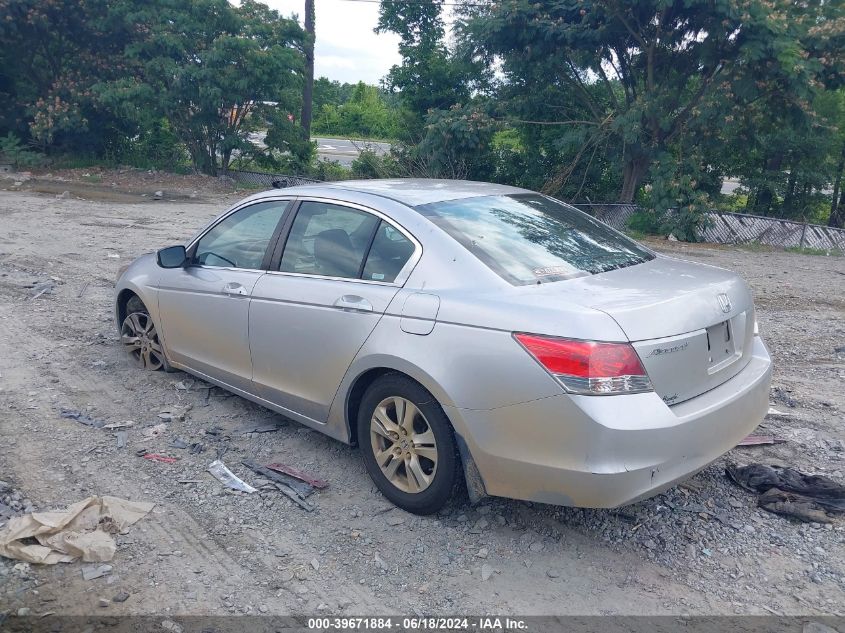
(270, 181)
(738, 228)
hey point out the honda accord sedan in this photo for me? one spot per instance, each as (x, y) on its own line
(461, 334)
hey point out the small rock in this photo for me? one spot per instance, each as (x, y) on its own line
(394, 520)
(24, 612)
(553, 573)
(315, 564)
(104, 602)
(482, 553)
(486, 572)
(650, 544)
(121, 597)
(171, 626)
(93, 571)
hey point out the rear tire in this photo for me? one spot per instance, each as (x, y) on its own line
(408, 445)
(140, 338)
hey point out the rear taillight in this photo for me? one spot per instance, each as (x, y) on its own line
(588, 367)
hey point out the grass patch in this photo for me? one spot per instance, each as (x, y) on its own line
(807, 250)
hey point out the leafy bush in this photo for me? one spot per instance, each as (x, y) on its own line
(13, 152)
(371, 165)
(329, 170)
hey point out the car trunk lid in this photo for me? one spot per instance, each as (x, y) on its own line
(691, 324)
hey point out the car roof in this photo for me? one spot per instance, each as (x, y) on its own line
(412, 192)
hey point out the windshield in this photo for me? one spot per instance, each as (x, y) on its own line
(528, 238)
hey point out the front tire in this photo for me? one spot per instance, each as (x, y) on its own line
(408, 445)
(139, 337)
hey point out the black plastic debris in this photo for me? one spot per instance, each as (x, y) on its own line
(82, 418)
(786, 491)
(178, 442)
(258, 427)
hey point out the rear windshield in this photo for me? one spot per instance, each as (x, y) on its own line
(529, 239)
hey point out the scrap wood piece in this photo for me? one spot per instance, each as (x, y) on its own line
(291, 494)
(228, 478)
(119, 425)
(756, 440)
(295, 472)
(299, 487)
(164, 459)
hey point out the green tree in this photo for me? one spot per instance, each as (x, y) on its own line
(652, 76)
(53, 56)
(216, 71)
(429, 78)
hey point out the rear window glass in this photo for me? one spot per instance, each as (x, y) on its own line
(528, 238)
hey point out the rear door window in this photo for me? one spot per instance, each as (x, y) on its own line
(528, 238)
(328, 240)
(388, 255)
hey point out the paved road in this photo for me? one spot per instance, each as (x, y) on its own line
(345, 151)
(342, 150)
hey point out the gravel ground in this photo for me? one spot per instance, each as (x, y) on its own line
(701, 548)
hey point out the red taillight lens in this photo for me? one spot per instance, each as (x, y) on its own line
(589, 367)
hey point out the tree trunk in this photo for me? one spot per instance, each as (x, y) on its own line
(632, 174)
(835, 204)
(837, 217)
(789, 197)
(766, 194)
(308, 88)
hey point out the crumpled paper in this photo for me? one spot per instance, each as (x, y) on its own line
(82, 530)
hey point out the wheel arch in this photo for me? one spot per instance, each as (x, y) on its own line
(360, 377)
(123, 298)
(366, 377)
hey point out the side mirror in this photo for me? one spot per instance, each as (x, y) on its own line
(172, 257)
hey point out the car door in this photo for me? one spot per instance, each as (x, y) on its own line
(339, 269)
(204, 307)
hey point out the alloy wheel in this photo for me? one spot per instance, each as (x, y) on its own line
(403, 444)
(138, 334)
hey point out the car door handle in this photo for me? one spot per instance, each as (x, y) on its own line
(353, 302)
(234, 289)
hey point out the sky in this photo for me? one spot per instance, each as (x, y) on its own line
(347, 49)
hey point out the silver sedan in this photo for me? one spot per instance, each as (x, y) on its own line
(461, 334)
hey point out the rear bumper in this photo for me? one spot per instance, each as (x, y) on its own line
(607, 451)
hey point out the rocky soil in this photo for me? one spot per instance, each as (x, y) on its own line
(701, 548)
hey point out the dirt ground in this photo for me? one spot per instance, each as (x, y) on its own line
(701, 548)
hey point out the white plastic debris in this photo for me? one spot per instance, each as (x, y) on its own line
(228, 478)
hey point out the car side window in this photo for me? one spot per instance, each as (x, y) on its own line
(328, 239)
(388, 255)
(241, 240)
